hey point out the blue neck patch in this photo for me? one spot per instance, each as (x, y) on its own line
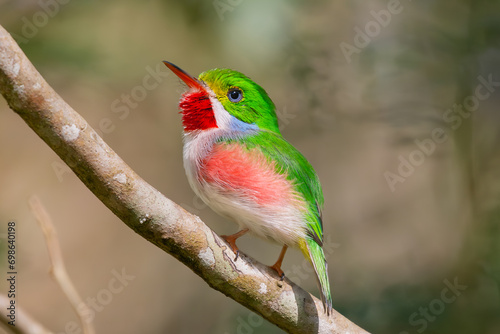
(241, 127)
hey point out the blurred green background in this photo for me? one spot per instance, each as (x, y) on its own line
(395, 104)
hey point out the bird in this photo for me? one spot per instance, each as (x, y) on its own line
(239, 164)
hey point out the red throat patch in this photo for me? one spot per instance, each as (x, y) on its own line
(197, 112)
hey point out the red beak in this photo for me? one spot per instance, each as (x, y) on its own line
(192, 82)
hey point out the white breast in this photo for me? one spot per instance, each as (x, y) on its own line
(283, 221)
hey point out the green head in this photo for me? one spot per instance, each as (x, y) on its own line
(227, 99)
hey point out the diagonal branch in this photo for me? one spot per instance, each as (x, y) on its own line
(150, 214)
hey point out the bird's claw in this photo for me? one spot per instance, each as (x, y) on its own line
(278, 270)
(231, 240)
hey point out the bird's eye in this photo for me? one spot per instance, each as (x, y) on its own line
(235, 95)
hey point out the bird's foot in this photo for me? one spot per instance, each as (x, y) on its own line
(277, 265)
(280, 272)
(231, 240)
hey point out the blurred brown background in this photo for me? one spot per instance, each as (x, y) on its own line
(395, 104)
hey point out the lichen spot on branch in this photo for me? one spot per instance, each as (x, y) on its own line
(70, 132)
(120, 178)
(207, 257)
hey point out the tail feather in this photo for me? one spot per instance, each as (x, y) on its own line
(317, 258)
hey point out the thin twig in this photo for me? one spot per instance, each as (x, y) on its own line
(58, 269)
(25, 325)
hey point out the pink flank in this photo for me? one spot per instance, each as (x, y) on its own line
(247, 174)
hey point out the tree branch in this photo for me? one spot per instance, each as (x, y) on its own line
(150, 214)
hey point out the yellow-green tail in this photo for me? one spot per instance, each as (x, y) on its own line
(317, 258)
